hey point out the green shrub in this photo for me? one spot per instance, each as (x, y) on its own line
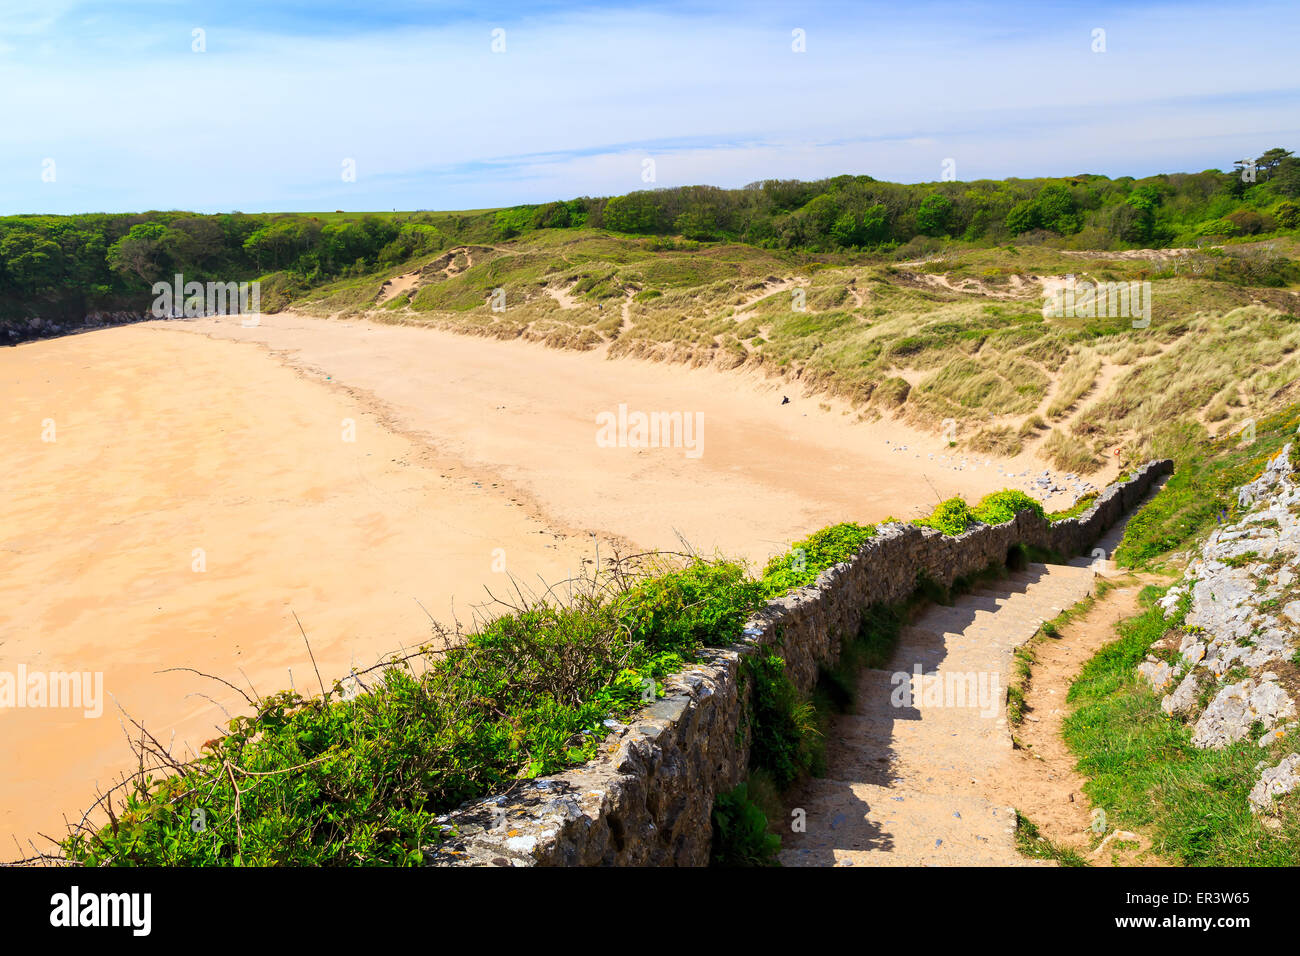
(954, 516)
(1202, 492)
(740, 832)
(1000, 506)
(704, 603)
(1143, 770)
(363, 780)
(808, 558)
(951, 517)
(784, 739)
(1082, 504)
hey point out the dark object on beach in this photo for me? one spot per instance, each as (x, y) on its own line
(785, 399)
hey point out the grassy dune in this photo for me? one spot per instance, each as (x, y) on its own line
(958, 336)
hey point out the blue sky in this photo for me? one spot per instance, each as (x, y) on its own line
(412, 92)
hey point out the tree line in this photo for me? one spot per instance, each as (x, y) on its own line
(861, 213)
(65, 265)
(52, 264)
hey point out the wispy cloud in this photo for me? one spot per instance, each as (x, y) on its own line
(413, 92)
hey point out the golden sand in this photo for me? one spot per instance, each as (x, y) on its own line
(201, 489)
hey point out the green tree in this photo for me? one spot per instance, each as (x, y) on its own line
(1268, 164)
(31, 263)
(875, 225)
(1286, 177)
(821, 213)
(934, 214)
(846, 231)
(141, 252)
(697, 222)
(635, 212)
(1022, 217)
(1056, 209)
(1287, 214)
(1139, 223)
(553, 215)
(279, 243)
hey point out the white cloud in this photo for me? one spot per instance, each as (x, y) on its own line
(264, 118)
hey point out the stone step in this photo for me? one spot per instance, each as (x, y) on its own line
(983, 628)
(904, 772)
(1058, 570)
(1063, 578)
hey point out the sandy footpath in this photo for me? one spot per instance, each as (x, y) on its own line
(200, 489)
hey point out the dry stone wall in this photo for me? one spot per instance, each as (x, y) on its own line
(646, 799)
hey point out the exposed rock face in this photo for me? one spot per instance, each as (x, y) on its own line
(1233, 712)
(1183, 699)
(1158, 673)
(648, 797)
(1242, 622)
(13, 331)
(1275, 782)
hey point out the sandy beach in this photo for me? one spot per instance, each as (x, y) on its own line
(206, 481)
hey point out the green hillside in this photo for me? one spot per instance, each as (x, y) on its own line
(924, 301)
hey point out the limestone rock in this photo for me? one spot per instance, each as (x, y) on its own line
(1183, 699)
(1192, 650)
(1275, 782)
(1229, 717)
(1158, 673)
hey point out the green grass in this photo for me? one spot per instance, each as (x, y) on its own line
(951, 517)
(1202, 492)
(741, 836)
(999, 507)
(1025, 655)
(1144, 772)
(785, 741)
(1082, 504)
(1030, 843)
